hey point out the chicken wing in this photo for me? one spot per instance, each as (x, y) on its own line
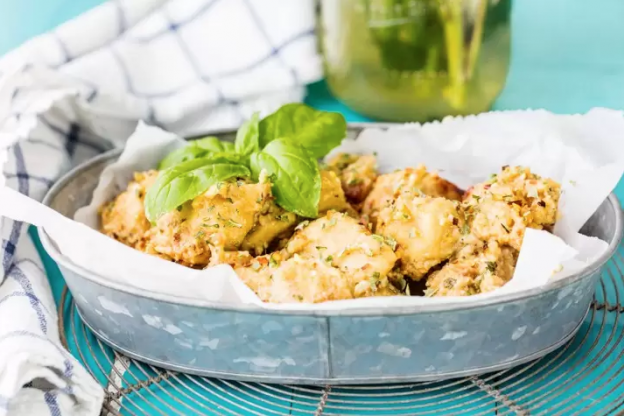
(409, 182)
(503, 207)
(221, 217)
(426, 231)
(332, 195)
(273, 223)
(357, 175)
(297, 279)
(478, 267)
(257, 272)
(124, 218)
(283, 277)
(342, 242)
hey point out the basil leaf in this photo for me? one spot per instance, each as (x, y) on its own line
(255, 166)
(183, 154)
(213, 144)
(225, 157)
(294, 173)
(317, 131)
(194, 150)
(248, 136)
(185, 181)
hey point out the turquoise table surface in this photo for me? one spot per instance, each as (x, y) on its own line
(567, 57)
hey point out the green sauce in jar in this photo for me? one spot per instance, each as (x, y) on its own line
(415, 60)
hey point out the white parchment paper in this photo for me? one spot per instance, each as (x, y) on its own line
(585, 153)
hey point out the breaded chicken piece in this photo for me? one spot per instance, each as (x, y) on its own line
(305, 279)
(309, 280)
(478, 267)
(332, 195)
(257, 273)
(410, 182)
(357, 174)
(504, 206)
(124, 218)
(426, 231)
(221, 217)
(219, 255)
(297, 279)
(535, 198)
(496, 220)
(273, 223)
(342, 242)
(340, 162)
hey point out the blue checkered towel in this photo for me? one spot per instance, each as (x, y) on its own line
(184, 65)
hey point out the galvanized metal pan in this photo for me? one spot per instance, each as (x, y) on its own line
(343, 347)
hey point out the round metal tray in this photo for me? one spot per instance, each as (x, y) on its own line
(585, 376)
(399, 344)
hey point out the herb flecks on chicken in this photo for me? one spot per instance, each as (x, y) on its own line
(373, 234)
(509, 202)
(410, 182)
(342, 242)
(124, 217)
(426, 231)
(331, 258)
(357, 174)
(222, 217)
(497, 213)
(477, 267)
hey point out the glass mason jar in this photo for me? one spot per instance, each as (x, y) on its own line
(415, 60)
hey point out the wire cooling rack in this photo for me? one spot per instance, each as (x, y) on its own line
(584, 377)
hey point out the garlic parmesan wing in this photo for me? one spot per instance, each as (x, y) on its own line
(409, 182)
(426, 232)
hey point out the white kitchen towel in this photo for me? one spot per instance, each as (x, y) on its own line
(185, 65)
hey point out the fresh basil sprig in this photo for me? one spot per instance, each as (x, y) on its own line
(248, 136)
(194, 150)
(187, 180)
(286, 144)
(318, 131)
(295, 175)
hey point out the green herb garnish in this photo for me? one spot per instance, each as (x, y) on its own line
(197, 149)
(185, 181)
(272, 261)
(378, 238)
(392, 243)
(285, 145)
(283, 217)
(296, 177)
(317, 131)
(465, 228)
(248, 136)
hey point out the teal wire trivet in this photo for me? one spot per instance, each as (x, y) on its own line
(584, 377)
